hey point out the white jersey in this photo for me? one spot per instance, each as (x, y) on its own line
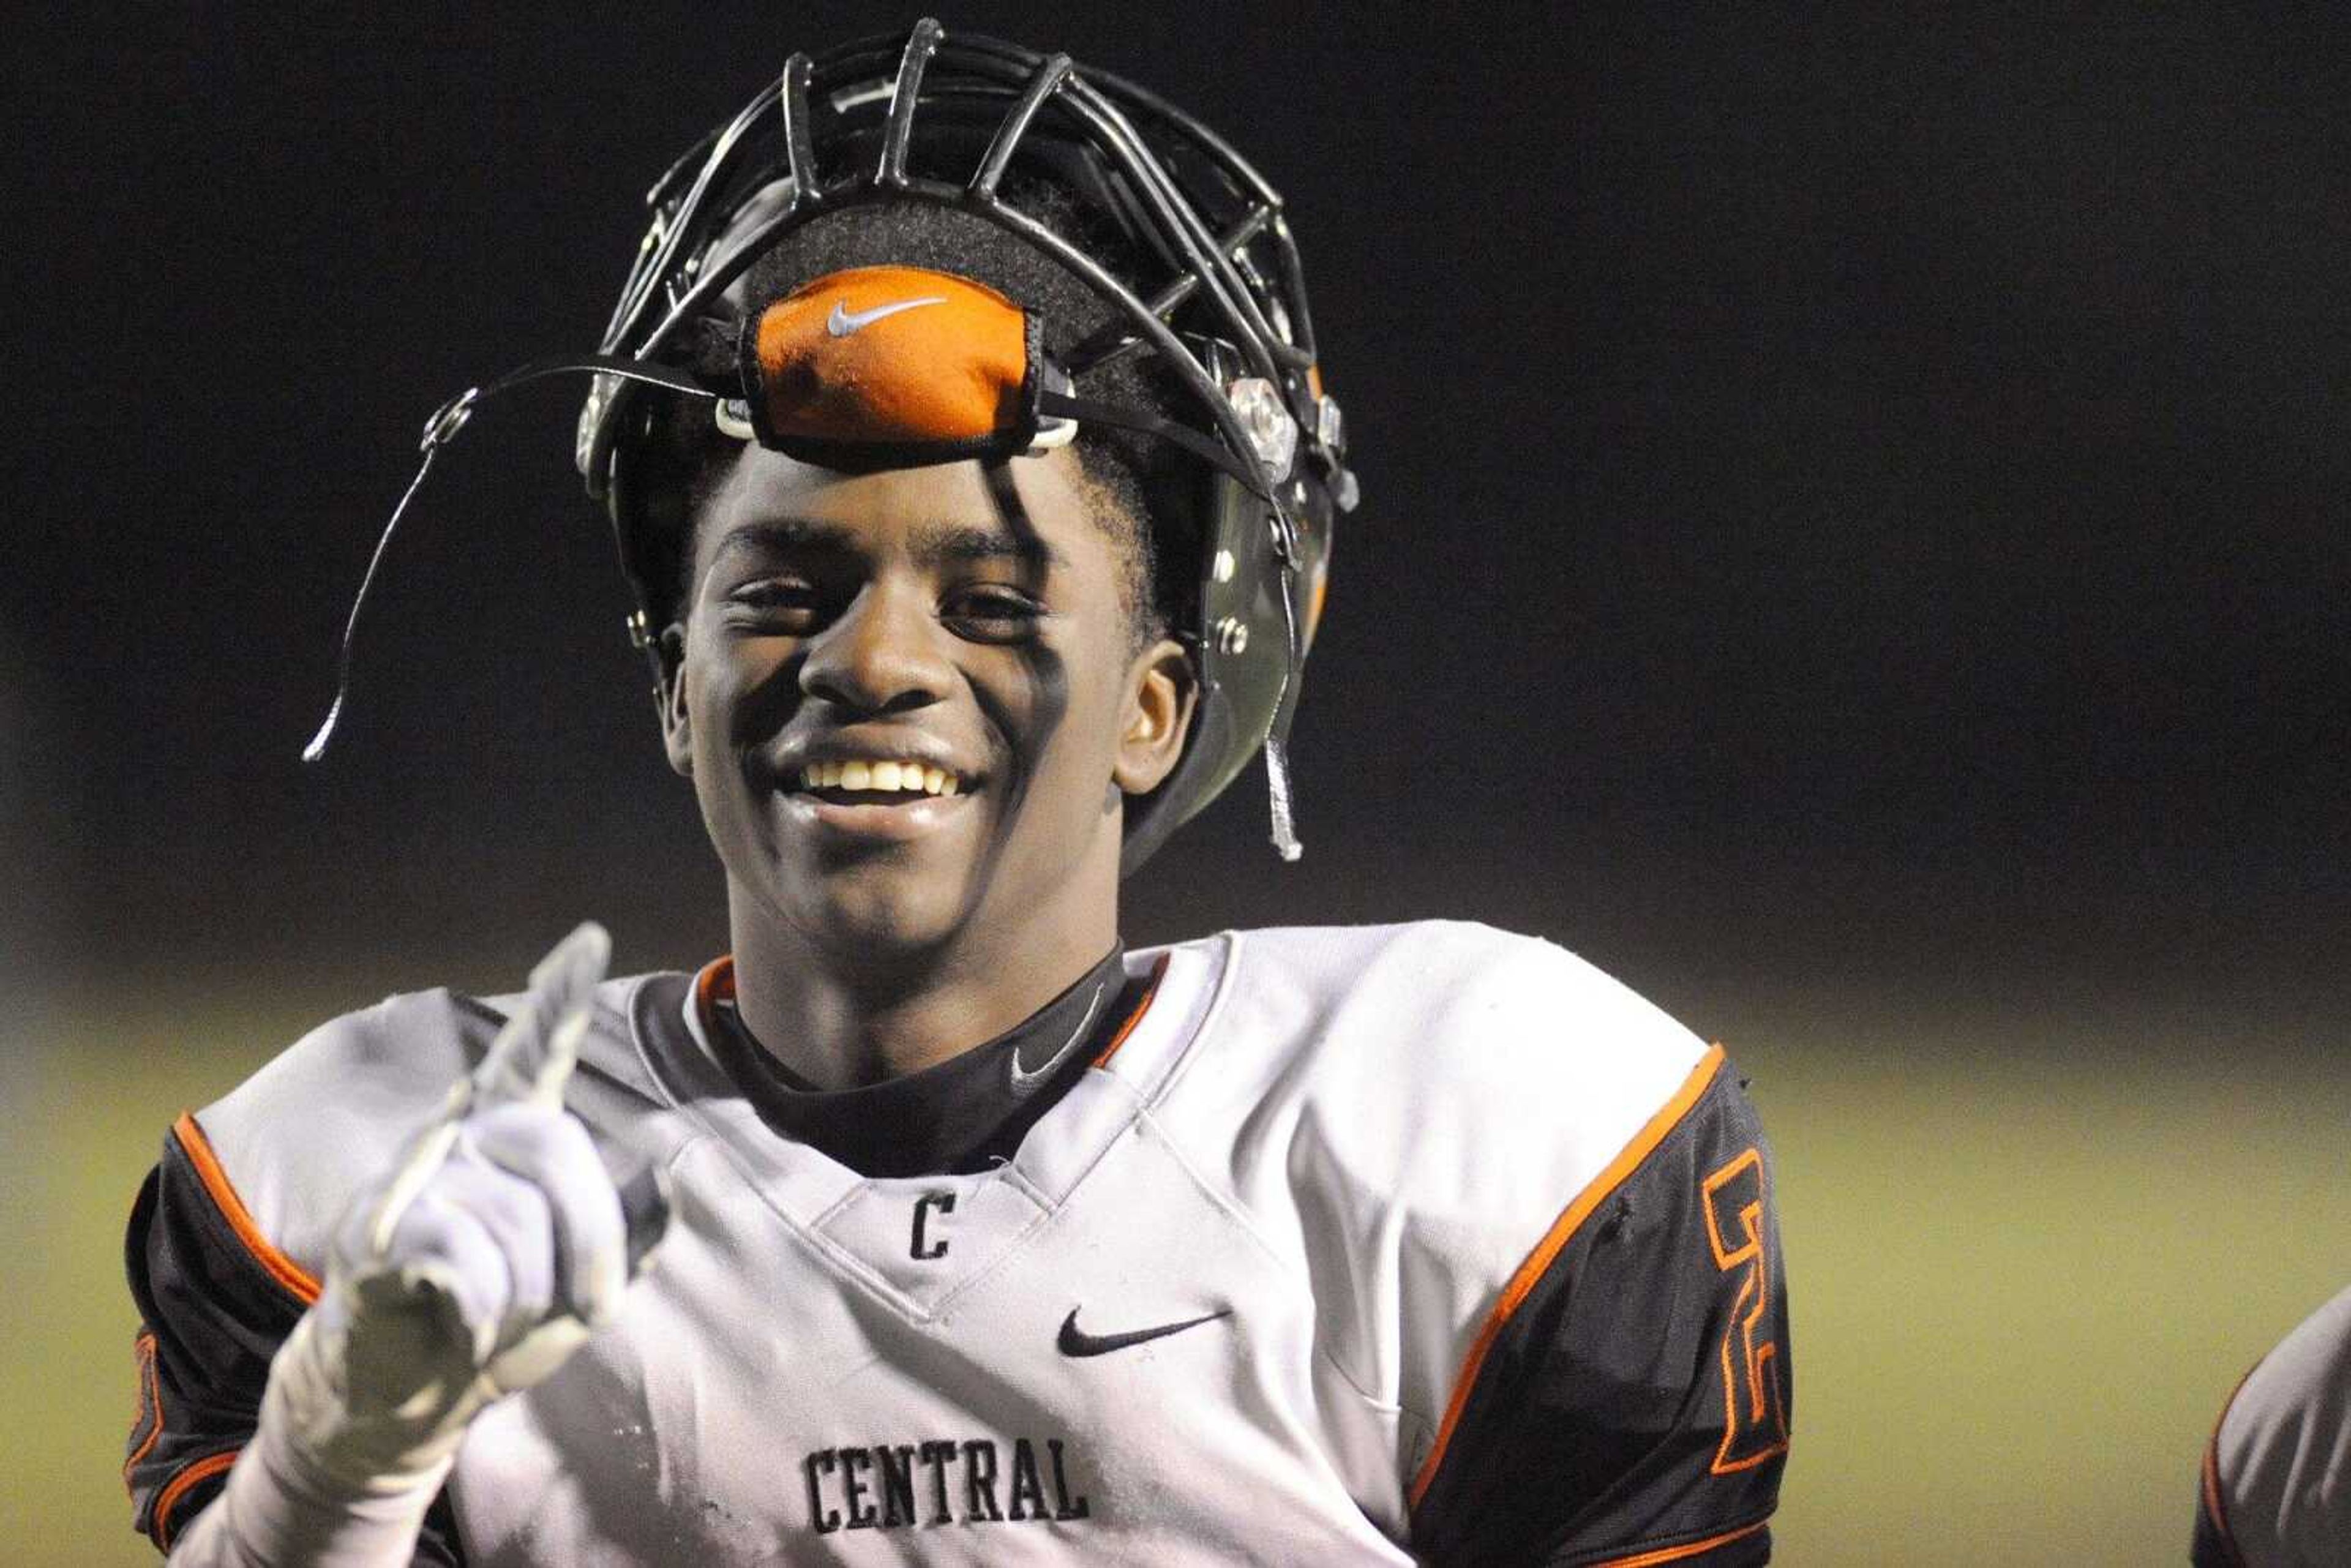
(1319, 1262)
(2277, 1474)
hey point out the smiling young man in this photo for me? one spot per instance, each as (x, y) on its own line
(963, 429)
(922, 838)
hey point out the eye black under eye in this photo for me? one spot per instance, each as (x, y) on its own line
(991, 610)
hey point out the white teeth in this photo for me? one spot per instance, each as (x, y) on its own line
(909, 777)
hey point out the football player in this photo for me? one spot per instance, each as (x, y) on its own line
(963, 431)
(2276, 1488)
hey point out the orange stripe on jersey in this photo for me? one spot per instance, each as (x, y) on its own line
(714, 984)
(1687, 1548)
(1158, 972)
(203, 1469)
(299, 1282)
(1522, 1284)
(150, 1405)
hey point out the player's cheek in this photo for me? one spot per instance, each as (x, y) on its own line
(1029, 707)
(726, 731)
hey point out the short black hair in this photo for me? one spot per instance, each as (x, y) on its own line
(1148, 492)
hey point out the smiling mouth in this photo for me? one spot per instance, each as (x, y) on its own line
(875, 782)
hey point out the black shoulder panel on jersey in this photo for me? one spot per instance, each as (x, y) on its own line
(1636, 1402)
(213, 1313)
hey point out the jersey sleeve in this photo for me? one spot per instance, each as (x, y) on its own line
(215, 1299)
(2276, 1484)
(1629, 1398)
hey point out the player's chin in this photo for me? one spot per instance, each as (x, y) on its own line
(885, 877)
(884, 911)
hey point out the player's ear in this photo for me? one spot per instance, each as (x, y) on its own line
(669, 696)
(1162, 691)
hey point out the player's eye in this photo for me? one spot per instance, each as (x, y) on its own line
(991, 612)
(789, 605)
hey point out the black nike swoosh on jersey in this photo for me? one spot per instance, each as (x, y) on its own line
(1075, 1341)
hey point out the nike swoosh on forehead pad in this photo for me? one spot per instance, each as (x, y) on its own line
(843, 321)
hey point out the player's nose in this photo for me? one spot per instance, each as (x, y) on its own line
(882, 655)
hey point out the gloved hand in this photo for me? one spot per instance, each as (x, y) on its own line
(476, 1265)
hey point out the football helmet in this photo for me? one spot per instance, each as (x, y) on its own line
(927, 116)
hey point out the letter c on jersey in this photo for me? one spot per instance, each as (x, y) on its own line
(923, 1249)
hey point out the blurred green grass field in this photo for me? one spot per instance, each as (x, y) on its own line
(2028, 1258)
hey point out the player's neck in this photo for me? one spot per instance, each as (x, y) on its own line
(838, 1019)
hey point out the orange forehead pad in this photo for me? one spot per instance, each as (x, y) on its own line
(889, 364)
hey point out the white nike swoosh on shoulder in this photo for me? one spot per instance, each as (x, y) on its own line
(843, 321)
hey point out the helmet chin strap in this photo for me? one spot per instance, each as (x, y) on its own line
(1277, 794)
(452, 418)
(440, 430)
(1277, 737)
(325, 733)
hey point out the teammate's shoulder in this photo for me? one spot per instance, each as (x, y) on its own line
(2277, 1473)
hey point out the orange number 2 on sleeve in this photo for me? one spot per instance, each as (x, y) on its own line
(1754, 1410)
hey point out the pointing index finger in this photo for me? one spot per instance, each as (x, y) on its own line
(532, 1057)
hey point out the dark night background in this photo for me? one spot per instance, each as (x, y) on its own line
(1853, 500)
(1836, 484)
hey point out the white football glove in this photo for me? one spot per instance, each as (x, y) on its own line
(476, 1265)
